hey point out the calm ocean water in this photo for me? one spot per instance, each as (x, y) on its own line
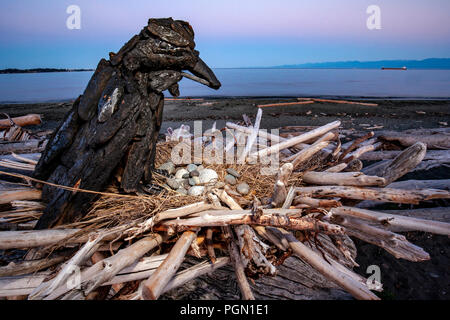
(44, 87)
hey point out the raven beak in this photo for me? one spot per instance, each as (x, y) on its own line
(203, 74)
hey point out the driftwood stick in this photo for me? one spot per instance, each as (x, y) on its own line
(20, 194)
(293, 141)
(355, 288)
(209, 245)
(379, 194)
(337, 168)
(153, 286)
(27, 120)
(227, 199)
(280, 192)
(317, 203)
(103, 271)
(342, 179)
(168, 214)
(289, 198)
(216, 218)
(433, 141)
(395, 220)
(309, 150)
(265, 233)
(284, 104)
(361, 150)
(196, 271)
(402, 164)
(437, 214)
(443, 155)
(86, 251)
(252, 138)
(306, 153)
(342, 102)
(29, 146)
(355, 144)
(261, 133)
(25, 267)
(252, 249)
(395, 244)
(39, 238)
(239, 267)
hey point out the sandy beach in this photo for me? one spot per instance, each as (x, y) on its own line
(401, 279)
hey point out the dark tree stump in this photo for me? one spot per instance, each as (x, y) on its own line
(115, 123)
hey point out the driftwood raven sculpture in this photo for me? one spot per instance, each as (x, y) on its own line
(115, 123)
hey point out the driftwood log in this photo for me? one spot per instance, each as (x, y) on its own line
(115, 123)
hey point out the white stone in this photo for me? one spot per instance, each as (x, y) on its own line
(180, 173)
(208, 175)
(196, 190)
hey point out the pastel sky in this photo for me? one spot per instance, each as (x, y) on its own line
(231, 33)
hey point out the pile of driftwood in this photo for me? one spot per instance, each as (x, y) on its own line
(320, 195)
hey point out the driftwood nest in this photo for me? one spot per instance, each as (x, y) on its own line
(130, 246)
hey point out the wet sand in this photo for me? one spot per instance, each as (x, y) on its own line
(391, 114)
(401, 279)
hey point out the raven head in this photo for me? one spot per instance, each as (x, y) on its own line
(161, 53)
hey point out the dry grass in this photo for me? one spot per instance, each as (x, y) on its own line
(108, 212)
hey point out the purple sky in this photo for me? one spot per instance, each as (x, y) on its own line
(228, 33)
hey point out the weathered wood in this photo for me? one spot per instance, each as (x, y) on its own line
(284, 104)
(196, 271)
(239, 266)
(400, 165)
(20, 194)
(395, 220)
(317, 203)
(261, 133)
(40, 238)
(358, 290)
(117, 119)
(342, 102)
(27, 120)
(280, 192)
(106, 269)
(443, 155)
(441, 214)
(342, 179)
(432, 141)
(217, 218)
(253, 251)
(370, 146)
(337, 168)
(307, 153)
(25, 267)
(293, 141)
(209, 244)
(87, 250)
(395, 244)
(29, 146)
(168, 214)
(252, 138)
(354, 144)
(378, 194)
(410, 185)
(154, 285)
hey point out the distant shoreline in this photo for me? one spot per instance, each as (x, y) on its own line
(40, 70)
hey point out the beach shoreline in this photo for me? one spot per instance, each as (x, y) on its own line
(390, 114)
(401, 279)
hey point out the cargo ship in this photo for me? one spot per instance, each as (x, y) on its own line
(402, 68)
